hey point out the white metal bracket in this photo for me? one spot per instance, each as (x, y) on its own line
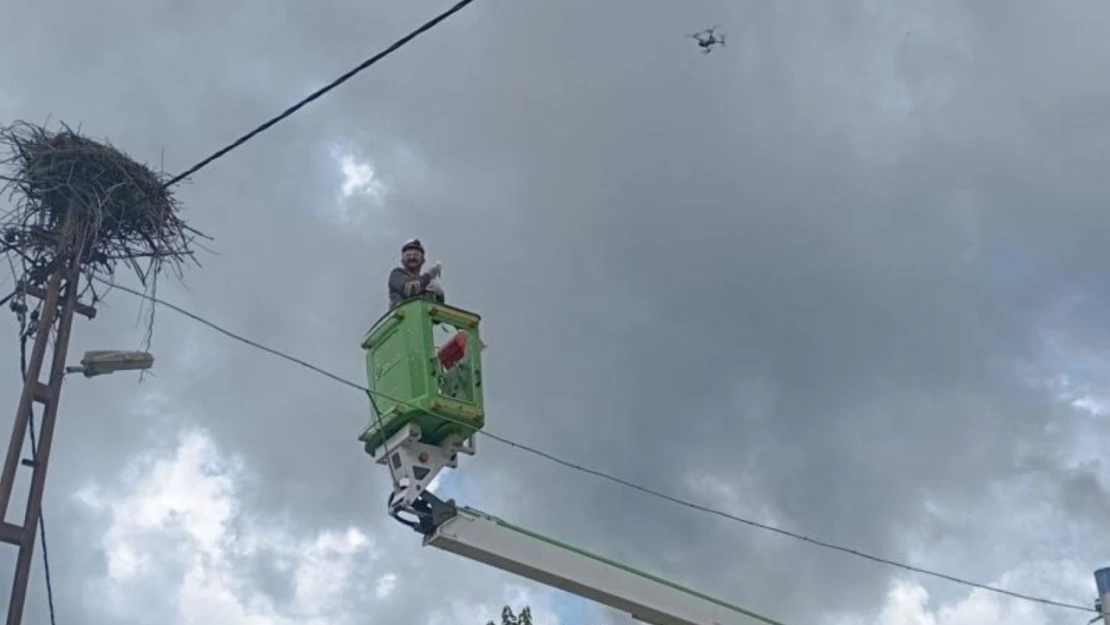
(413, 464)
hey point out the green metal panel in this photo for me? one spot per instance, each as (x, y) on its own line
(408, 382)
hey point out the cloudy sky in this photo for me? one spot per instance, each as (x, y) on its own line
(845, 276)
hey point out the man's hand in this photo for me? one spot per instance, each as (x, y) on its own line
(435, 270)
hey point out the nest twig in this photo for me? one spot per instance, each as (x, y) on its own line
(76, 198)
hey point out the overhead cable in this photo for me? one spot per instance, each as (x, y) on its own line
(612, 478)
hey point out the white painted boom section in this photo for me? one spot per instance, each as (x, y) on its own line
(648, 599)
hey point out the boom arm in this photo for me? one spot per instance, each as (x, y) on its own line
(489, 540)
(428, 406)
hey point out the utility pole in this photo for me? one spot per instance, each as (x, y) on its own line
(80, 207)
(59, 306)
(1102, 605)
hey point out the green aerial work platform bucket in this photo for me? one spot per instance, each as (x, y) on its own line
(435, 387)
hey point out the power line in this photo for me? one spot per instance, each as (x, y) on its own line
(523, 447)
(320, 92)
(618, 480)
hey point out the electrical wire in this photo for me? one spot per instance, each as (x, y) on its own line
(550, 457)
(381, 429)
(618, 480)
(320, 92)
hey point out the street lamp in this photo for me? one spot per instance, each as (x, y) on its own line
(105, 361)
(1102, 582)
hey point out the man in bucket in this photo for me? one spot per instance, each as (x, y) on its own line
(406, 282)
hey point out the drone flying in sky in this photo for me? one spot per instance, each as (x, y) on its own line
(708, 39)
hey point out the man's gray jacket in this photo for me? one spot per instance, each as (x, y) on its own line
(404, 286)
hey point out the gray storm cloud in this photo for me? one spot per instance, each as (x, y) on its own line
(760, 265)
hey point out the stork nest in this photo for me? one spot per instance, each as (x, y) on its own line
(73, 198)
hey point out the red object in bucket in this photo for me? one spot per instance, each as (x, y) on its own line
(451, 352)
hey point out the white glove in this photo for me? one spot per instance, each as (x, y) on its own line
(435, 287)
(435, 270)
